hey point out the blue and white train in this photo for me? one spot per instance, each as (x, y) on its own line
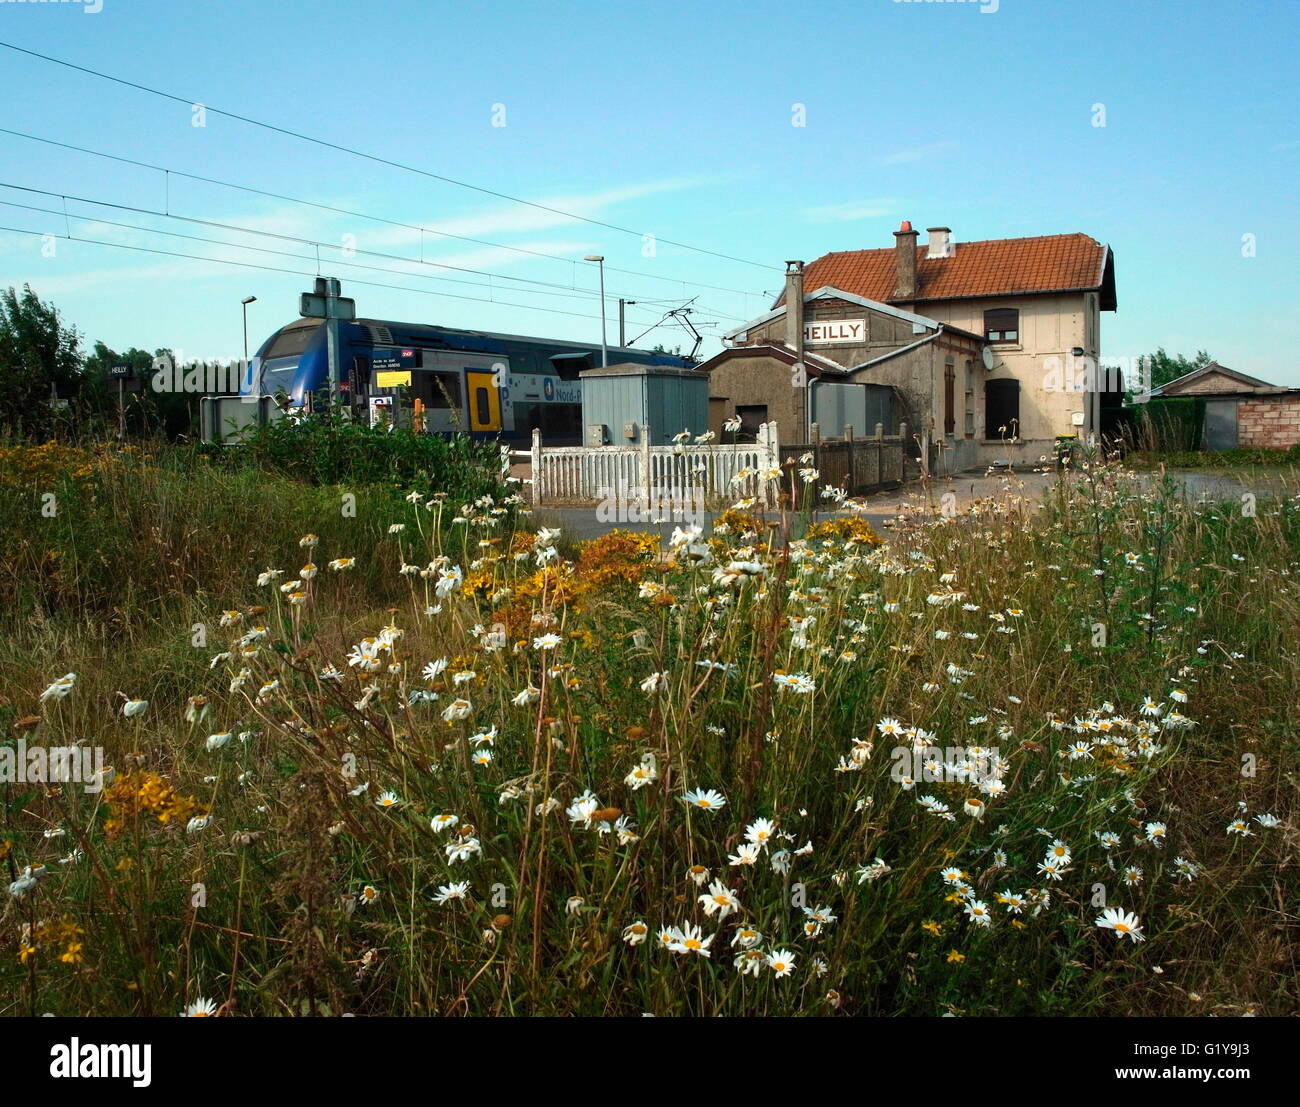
(473, 382)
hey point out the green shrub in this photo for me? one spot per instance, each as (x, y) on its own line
(1174, 424)
(1215, 459)
(327, 449)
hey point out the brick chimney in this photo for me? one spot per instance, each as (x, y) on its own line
(905, 262)
(941, 245)
(794, 306)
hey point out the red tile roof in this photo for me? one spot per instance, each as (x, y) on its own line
(995, 267)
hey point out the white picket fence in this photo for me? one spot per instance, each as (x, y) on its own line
(649, 478)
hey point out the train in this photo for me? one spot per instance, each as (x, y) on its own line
(454, 381)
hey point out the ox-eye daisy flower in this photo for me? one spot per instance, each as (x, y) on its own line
(690, 939)
(457, 709)
(760, 831)
(201, 1008)
(1122, 922)
(719, 900)
(781, 962)
(643, 774)
(462, 849)
(706, 799)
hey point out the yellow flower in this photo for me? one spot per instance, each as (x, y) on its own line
(933, 927)
(955, 958)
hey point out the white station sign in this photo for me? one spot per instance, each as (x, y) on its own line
(835, 330)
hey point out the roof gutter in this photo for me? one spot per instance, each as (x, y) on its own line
(901, 350)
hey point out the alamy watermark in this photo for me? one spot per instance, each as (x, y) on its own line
(173, 373)
(90, 7)
(1081, 373)
(32, 764)
(944, 765)
(986, 7)
(669, 503)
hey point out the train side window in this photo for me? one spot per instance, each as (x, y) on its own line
(482, 405)
(568, 366)
(444, 391)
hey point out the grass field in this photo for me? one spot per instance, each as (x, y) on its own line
(1015, 763)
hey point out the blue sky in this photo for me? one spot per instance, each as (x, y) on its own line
(669, 119)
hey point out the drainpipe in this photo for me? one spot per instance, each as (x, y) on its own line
(794, 309)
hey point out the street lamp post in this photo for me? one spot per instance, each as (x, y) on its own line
(599, 259)
(246, 301)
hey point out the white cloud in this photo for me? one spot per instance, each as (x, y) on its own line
(849, 211)
(916, 153)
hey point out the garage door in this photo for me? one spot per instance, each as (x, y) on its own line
(1220, 424)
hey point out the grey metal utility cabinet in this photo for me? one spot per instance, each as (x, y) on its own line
(623, 398)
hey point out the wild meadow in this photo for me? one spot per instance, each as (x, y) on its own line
(408, 754)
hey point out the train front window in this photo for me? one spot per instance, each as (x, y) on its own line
(279, 377)
(291, 341)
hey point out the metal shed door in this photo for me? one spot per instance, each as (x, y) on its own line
(1220, 424)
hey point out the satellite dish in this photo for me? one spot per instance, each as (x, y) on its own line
(986, 355)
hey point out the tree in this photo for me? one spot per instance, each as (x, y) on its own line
(145, 411)
(40, 362)
(1163, 367)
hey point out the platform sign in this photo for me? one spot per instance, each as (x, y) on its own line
(392, 379)
(835, 330)
(312, 305)
(120, 370)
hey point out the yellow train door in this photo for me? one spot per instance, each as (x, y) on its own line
(484, 400)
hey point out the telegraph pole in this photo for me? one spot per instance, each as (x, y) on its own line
(622, 335)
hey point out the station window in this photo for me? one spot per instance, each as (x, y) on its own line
(1002, 325)
(752, 416)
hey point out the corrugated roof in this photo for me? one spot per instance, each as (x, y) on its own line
(994, 267)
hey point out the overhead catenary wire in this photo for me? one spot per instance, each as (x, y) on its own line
(291, 272)
(276, 253)
(376, 158)
(170, 172)
(560, 290)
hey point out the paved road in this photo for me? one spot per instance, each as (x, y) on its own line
(582, 524)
